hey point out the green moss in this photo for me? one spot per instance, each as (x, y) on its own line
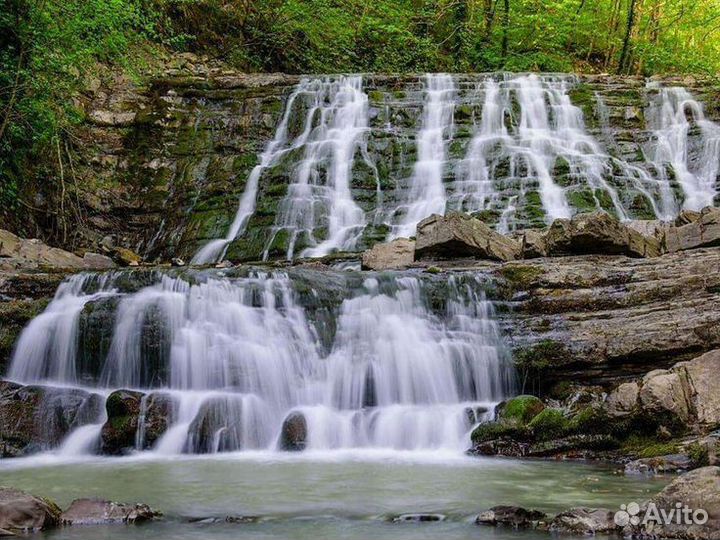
(497, 430)
(550, 423)
(698, 454)
(647, 447)
(521, 409)
(582, 200)
(641, 207)
(489, 216)
(590, 420)
(521, 276)
(542, 355)
(582, 96)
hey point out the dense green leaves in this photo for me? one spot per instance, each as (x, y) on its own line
(48, 48)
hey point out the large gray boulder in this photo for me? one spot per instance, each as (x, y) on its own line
(458, 235)
(400, 253)
(623, 400)
(584, 522)
(100, 511)
(663, 391)
(598, 233)
(22, 512)
(19, 253)
(703, 387)
(699, 490)
(702, 232)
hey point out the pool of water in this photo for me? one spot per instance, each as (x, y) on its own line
(339, 495)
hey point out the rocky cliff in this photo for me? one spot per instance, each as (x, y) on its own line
(162, 163)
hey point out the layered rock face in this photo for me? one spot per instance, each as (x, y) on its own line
(170, 160)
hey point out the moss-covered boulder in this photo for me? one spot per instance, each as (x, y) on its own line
(118, 432)
(550, 423)
(520, 410)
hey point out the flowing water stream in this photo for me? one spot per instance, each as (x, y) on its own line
(367, 361)
(320, 495)
(515, 149)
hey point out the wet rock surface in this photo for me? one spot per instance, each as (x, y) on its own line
(293, 436)
(512, 516)
(104, 512)
(457, 236)
(34, 418)
(22, 512)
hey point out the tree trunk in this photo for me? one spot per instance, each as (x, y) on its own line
(624, 62)
(506, 29)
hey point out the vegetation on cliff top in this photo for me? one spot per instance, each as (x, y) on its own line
(49, 47)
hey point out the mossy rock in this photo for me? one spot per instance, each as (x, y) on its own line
(491, 431)
(550, 423)
(520, 410)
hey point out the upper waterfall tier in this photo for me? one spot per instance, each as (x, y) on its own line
(341, 162)
(391, 361)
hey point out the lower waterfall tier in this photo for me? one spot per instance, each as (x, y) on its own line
(229, 360)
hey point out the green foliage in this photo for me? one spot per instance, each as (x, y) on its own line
(648, 447)
(49, 49)
(698, 454)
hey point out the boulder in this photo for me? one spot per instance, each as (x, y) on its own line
(400, 253)
(96, 261)
(704, 387)
(533, 244)
(513, 516)
(663, 392)
(294, 433)
(22, 512)
(34, 418)
(685, 217)
(670, 463)
(702, 232)
(125, 257)
(585, 522)
(100, 511)
(458, 235)
(217, 427)
(623, 400)
(118, 433)
(157, 412)
(698, 490)
(21, 254)
(649, 228)
(520, 410)
(598, 233)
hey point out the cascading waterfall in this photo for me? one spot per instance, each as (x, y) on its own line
(672, 117)
(550, 130)
(523, 157)
(214, 250)
(426, 195)
(318, 209)
(236, 356)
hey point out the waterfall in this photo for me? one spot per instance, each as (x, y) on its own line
(344, 170)
(236, 356)
(673, 117)
(318, 210)
(214, 250)
(427, 194)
